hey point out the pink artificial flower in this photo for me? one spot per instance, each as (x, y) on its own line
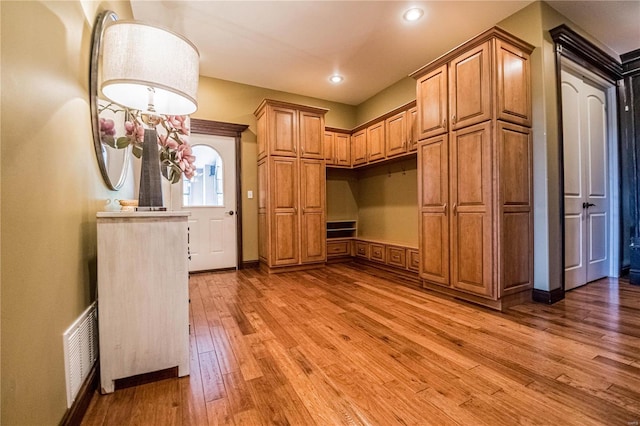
(179, 122)
(166, 141)
(134, 129)
(107, 127)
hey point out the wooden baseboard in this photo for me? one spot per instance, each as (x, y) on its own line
(292, 268)
(548, 297)
(74, 415)
(498, 304)
(250, 264)
(399, 273)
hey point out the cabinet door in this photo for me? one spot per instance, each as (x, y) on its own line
(359, 147)
(412, 128)
(516, 226)
(263, 226)
(375, 141)
(342, 149)
(471, 222)
(396, 134)
(396, 256)
(283, 135)
(312, 219)
(362, 249)
(329, 147)
(470, 87)
(513, 91)
(433, 190)
(262, 136)
(431, 98)
(284, 214)
(377, 252)
(311, 135)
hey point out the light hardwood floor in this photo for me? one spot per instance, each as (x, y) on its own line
(346, 345)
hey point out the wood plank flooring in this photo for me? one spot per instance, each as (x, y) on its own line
(347, 345)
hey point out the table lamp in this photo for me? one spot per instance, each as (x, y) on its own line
(155, 71)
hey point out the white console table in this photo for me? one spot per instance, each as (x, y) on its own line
(143, 294)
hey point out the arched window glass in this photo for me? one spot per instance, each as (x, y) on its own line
(205, 188)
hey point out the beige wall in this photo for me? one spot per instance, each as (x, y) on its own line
(342, 194)
(51, 191)
(388, 202)
(398, 94)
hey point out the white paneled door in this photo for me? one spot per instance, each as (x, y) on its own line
(210, 196)
(586, 181)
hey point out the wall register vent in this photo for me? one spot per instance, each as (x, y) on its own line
(80, 343)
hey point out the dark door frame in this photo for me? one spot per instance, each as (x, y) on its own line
(219, 128)
(571, 45)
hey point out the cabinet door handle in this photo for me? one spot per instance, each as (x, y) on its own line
(444, 123)
(453, 119)
(455, 209)
(445, 209)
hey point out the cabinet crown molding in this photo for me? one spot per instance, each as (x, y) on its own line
(495, 32)
(282, 104)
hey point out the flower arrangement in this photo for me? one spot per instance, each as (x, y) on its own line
(176, 156)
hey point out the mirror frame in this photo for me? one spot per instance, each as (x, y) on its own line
(94, 98)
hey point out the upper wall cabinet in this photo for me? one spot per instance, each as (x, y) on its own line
(337, 148)
(488, 78)
(286, 130)
(431, 95)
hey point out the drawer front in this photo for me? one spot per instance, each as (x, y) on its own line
(414, 260)
(362, 249)
(338, 248)
(377, 252)
(396, 256)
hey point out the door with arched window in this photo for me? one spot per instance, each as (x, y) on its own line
(210, 196)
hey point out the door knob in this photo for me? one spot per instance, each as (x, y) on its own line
(586, 205)
(230, 212)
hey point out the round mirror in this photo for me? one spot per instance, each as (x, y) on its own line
(107, 119)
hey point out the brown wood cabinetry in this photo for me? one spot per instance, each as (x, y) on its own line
(337, 148)
(432, 96)
(433, 190)
(412, 128)
(393, 257)
(362, 249)
(359, 147)
(396, 256)
(291, 185)
(396, 134)
(475, 174)
(389, 136)
(375, 142)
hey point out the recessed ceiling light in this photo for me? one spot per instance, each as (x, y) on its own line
(336, 79)
(413, 14)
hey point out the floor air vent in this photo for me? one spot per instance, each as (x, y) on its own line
(80, 343)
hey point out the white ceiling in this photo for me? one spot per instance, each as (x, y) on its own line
(294, 46)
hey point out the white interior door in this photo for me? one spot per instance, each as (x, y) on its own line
(586, 181)
(210, 196)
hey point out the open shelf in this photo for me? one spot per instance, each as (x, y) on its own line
(341, 229)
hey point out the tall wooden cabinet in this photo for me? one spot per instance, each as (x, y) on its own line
(291, 186)
(474, 166)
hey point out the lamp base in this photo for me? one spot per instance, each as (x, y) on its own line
(150, 195)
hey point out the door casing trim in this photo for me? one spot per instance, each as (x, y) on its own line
(219, 128)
